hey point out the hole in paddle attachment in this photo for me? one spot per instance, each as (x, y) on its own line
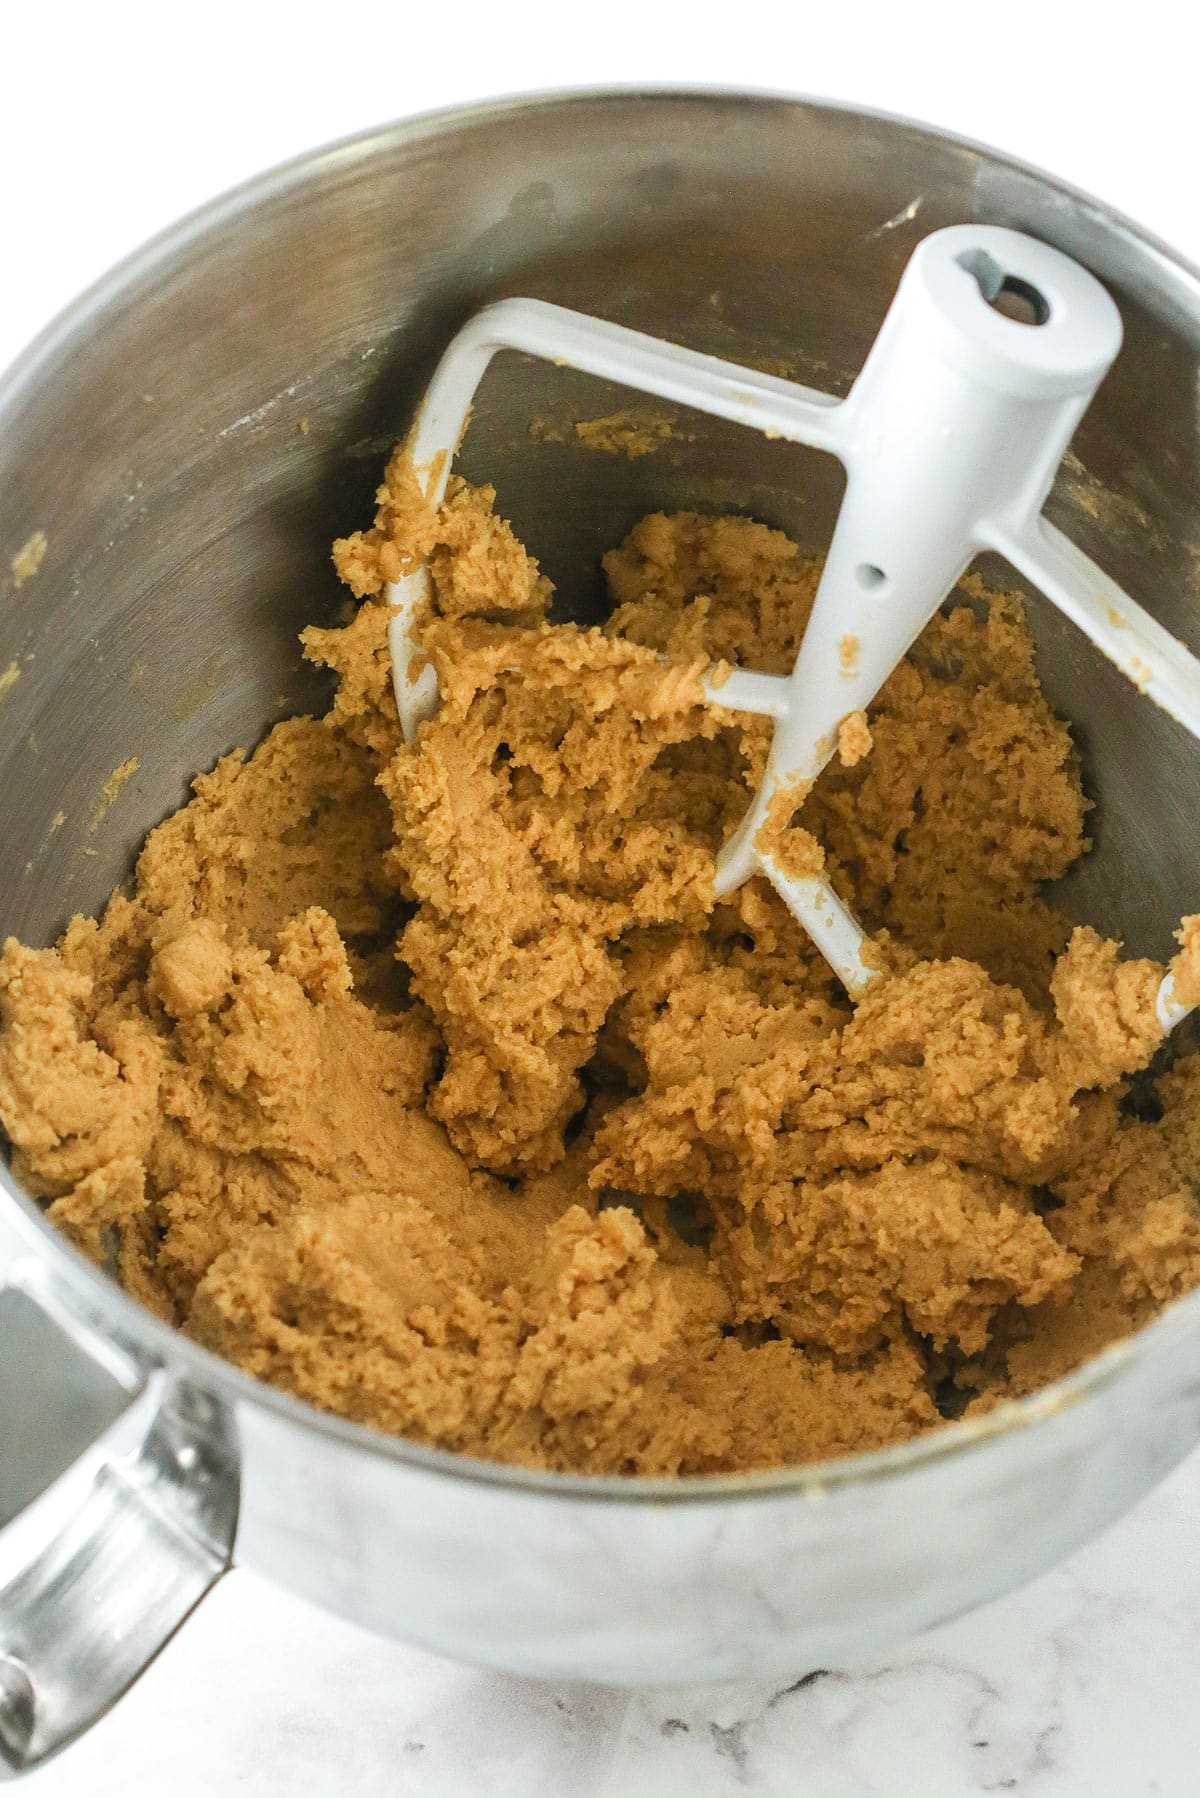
(870, 578)
(1006, 294)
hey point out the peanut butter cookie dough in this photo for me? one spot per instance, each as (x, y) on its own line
(432, 1085)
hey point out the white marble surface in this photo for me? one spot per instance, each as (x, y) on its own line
(1086, 1683)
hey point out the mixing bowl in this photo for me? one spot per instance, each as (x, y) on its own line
(188, 438)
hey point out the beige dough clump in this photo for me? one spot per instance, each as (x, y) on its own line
(853, 739)
(433, 1085)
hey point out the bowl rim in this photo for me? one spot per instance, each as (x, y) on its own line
(157, 1343)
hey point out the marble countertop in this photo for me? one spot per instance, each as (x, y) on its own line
(1087, 1682)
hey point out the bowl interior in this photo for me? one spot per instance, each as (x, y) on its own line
(194, 434)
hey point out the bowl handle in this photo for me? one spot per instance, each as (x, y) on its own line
(118, 1504)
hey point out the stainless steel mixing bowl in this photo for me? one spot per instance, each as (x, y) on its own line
(189, 437)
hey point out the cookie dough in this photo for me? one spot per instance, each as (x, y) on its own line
(432, 1085)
